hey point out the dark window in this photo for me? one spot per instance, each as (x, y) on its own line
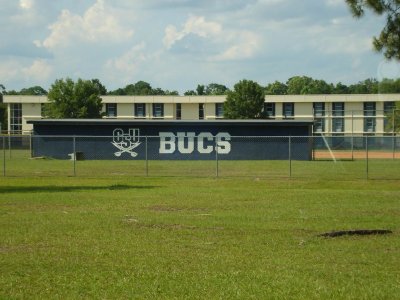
(369, 109)
(158, 110)
(43, 110)
(388, 109)
(319, 113)
(319, 125)
(16, 118)
(338, 109)
(369, 114)
(338, 125)
(140, 110)
(338, 114)
(219, 110)
(201, 111)
(288, 110)
(178, 111)
(111, 110)
(319, 109)
(269, 110)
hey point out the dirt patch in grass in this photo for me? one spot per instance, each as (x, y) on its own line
(356, 232)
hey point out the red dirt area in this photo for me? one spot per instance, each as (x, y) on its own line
(355, 155)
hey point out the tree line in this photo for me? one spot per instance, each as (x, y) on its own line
(297, 85)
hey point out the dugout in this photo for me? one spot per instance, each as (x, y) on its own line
(173, 139)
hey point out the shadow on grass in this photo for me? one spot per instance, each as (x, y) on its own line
(57, 189)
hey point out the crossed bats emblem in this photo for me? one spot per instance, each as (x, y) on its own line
(126, 142)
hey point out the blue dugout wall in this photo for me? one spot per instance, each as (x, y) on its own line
(172, 140)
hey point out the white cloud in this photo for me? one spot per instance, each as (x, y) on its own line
(194, 25)
(245, 45)
(37, 72)
(230, 44)
(128, 62)
(98, 24)
(26, 4)
(40, 70)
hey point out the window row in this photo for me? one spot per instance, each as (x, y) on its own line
(139, 110)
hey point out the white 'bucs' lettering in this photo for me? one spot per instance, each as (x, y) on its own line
(186, 142)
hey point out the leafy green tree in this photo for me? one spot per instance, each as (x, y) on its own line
(340, 88)
(100, 86)
(276, 88)
(33, 91)
(140, 88)
(246, 101)
(171, 93)
(118, 92)
(317, 87)
(190, 93)
(389, 86)
(393, 119)
(69, 99)
(216, 89)
(368, 86)
(388, 41)
(200, 90)
(297, 85)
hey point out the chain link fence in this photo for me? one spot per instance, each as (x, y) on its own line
(318, 157)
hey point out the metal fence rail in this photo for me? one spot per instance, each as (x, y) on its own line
(320, 157)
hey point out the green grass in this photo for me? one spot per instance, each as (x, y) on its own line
(19, 163)
(177, 237)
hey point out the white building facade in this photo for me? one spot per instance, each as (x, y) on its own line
(332, 114)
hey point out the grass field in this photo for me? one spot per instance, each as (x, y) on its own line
(177, 237)
(19, 163)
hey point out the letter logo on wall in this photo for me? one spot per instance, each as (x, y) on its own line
(125, 142)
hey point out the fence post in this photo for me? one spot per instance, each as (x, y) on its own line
(290, 157)
(4, 155)
(74, 154)
(352, 135)
(147, 159)
(216, 158)
(366, 147)
(9, 144)
(30, 143)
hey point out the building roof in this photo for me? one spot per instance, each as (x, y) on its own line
(169, 122)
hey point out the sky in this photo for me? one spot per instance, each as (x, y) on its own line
(178, 44)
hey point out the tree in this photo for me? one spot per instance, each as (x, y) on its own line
(246, 101)
(393, 119)
(171, 93)
(340, 88)
(140, 88)
(33, 91)
(368, 86)
(297, 85)
(317, 87)
(100, 86)
(190, 93)
(200, 90)
(69, 99)
(388, 41)
(216, 89)
(276, 88)
(389, 86)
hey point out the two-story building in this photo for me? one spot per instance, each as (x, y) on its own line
(332, 114)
